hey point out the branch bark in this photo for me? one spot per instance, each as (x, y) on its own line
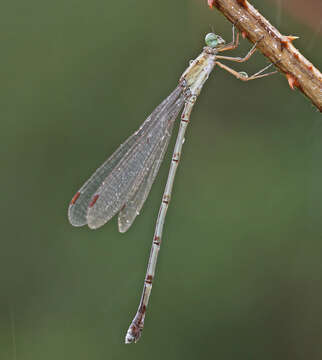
(278, 48)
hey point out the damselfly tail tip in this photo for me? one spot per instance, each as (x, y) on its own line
(133, 334)
(129, 340)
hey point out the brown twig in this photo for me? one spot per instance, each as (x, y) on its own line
(278, 48)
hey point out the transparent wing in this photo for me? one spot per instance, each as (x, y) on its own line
(123, 180)
(78, 208)
(132, 208)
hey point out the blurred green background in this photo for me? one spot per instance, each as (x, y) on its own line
(239, 274)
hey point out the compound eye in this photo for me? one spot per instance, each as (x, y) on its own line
(211, 40)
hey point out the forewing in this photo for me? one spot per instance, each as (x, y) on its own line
(78, 208)
(115, 190)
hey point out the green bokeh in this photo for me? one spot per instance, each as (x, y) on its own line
(239, 274)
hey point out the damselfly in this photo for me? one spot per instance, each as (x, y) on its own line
(122, 184)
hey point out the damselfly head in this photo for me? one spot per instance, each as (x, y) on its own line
(214, 41)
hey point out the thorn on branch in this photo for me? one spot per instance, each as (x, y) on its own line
(292, 81)
(243, 3)
(286, 40)
(292, 37)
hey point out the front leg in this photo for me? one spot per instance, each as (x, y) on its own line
(233, 44)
